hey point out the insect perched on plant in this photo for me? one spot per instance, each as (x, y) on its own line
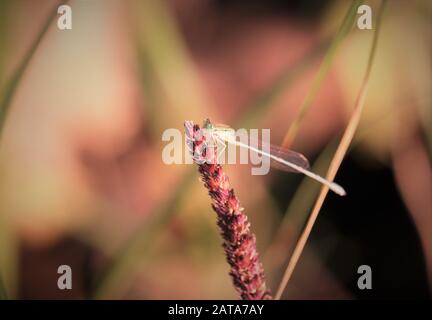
(280, 158)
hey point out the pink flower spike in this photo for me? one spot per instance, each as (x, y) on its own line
(239, 242)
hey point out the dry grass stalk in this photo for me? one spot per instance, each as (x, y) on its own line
(335, 163)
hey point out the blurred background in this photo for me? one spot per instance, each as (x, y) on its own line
(82, 181)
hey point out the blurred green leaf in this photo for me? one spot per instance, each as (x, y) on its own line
(344, 29)
(255, 110)
(4, 21)
(12, 85)
(135, 248)
(8, 259)
(3, 294)
(7, 237)
(169, 71)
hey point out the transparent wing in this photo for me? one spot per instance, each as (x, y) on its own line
(283, 159)
(275, 153)
(285, 154)
(290, 156)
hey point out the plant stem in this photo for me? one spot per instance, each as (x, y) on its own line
(337, 159)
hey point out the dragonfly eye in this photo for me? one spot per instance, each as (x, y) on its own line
(207, 124)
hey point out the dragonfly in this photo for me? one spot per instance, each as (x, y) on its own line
(280, 158)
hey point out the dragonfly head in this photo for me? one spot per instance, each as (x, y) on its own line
(207, 124)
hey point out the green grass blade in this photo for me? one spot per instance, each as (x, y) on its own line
(344, 29)
(7, 94)
(12, 85)
(141, 238)
(4, 23)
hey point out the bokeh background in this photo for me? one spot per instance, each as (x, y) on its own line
(82, 181)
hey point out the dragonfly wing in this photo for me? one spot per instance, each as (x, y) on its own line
(289, 156)
(283, 154)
